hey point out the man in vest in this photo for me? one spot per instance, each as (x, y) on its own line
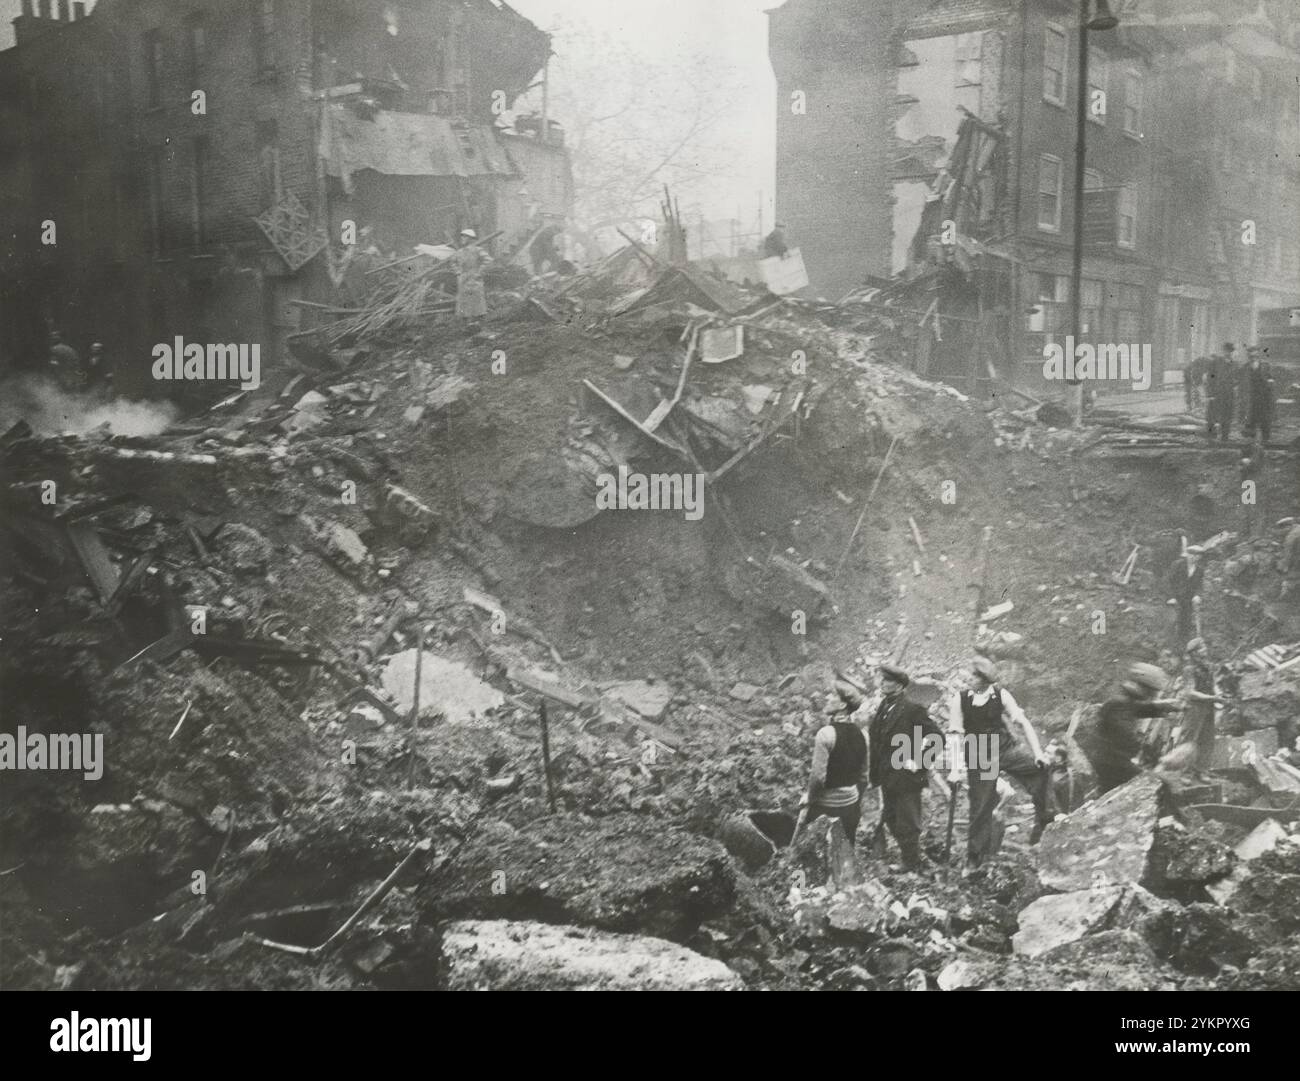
(902, 741)
(982, 712)
(838, 780)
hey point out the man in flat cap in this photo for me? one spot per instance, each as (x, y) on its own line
(980, 713)
(838, 780)
(900, 734)
(1111, 740)
(1259, 394)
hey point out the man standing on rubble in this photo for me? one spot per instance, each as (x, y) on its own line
(899, 735)
(838, 781)
(1195, 750)
(981, 715)
(1220, 388)
(1186, 577)
(1258, 391)
(1110, 739)
(469, 259)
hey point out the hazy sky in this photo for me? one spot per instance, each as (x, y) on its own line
(734, 32)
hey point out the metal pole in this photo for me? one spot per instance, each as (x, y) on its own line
(546, 100)
(415, 709)
(1074, 393)
(546, 759)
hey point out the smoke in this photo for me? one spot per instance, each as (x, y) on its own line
(49, 410)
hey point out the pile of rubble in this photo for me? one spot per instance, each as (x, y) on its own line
(377, 674)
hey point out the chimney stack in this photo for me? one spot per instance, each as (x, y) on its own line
(45, 9)
(65, 12)
(79, 9)
(29, 9)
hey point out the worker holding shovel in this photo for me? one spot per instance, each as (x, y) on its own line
(838, 779)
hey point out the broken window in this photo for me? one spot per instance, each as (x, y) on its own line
(968, 59)
(197, 39)
(153, 62)
(1050, 314)
(1049, 193)
(268, 163)
(1054, 65)
(264, 36)
(1127, 216)
(157, 212)
(1133, 103)
(198, 190)
(1128, 312)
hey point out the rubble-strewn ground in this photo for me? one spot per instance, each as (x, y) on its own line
(250, 797)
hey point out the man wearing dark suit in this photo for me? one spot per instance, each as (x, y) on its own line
(1220, 393)
(903, 743)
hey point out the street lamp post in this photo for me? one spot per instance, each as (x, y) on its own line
(1103, 20)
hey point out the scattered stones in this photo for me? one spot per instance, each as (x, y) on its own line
(244, 546)
(1192, 856)
(507, 955)
(648, 699)
(1108, 842)
(1056, 919)
(744, 692)
(622, 872)
(964, 975)
(447, 687)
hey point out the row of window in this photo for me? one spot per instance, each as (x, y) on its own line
(262, 19)
(1056, 69)
(1051, 180)
(1108, 311)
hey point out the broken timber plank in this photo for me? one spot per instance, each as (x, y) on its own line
(535, 681)
(1243, 816)
(94, 559)
(667, 443)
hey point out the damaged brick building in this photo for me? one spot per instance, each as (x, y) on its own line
(920, 112)
(154, 135)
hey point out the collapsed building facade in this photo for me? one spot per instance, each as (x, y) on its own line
(920, 113)
(197, 163)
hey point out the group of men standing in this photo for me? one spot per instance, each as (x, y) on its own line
(1228, 385)
(983, 714)
(71, 372)
(892, 757)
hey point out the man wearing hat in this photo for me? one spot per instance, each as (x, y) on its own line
(1220, 388)
(471, 301)
(1259, 394)
(838, 780)
(1111, 741)
(982, 712)
(898, 735)
(1194, 752)
(1186, 577)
